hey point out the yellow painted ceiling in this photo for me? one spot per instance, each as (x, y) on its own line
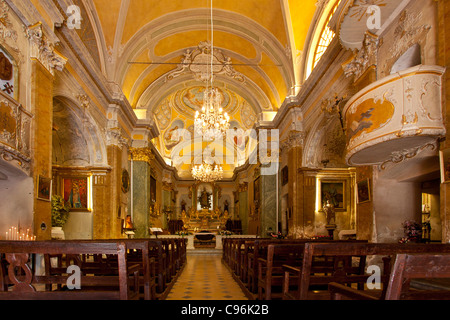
(146, 39)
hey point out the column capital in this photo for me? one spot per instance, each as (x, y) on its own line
(141, 154)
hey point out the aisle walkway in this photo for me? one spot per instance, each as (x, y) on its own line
(205, 278)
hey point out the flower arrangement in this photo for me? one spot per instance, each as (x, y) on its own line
(60, 211)
(413, 232)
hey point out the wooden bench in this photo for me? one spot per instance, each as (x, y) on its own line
(20, 281)
(258, 250)
(406, 268)
(305, 277)
(270, 268)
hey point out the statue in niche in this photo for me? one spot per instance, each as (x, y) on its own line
(183, 206)
(205, 199)
(225, 206)
(328, 208)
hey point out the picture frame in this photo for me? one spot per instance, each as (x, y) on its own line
(152, 189)
(284, 175)
(363, 188)
(334, 191)
(44, 188)
(444, 156)
(125, 186)
(76, 191)
(257, 192)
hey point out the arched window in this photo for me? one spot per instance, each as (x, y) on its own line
(322, 38)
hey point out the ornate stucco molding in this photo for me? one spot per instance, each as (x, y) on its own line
(198, 61)
(295, 139)
(364, 58)
(403, 155)
(6, 27)
(43, 50)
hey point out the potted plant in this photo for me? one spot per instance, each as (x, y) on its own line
(60, 214)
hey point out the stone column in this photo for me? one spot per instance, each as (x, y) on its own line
(42, 101)
(304, 216)
(444, 60)
(268, 207)
(293, 147)
(243, 206)
(44, 61)
(141, 170)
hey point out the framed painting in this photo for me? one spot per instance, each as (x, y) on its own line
(333, 191)
(44, 188)
(284, 175)
(363, 191)
(152, 189)
(257, 192)
(76, 192)
(444, 156)
(125, 181)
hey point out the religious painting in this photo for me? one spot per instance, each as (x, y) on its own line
(237, 135)
(76, 193)
(44, 189)
(363, 191)
(368, 116)
(257, 192)
(193, 98)
(7, 82)
(174, 134)
(284, 175)
(333, 191)
(445, 165)
(152, 189)
(125, 181)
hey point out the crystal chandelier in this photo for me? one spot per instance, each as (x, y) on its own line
(206, 172)
(211, 123)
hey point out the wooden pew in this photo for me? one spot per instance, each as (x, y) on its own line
(146, 253)
(270, 267)
(406, 268)
(20, 280)
(258, 250)
(303, 273)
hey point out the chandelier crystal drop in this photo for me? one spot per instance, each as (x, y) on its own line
(206, 172)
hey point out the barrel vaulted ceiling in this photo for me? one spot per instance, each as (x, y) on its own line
(142, 43)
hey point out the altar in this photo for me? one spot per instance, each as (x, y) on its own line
(219, 238)
(204, 214)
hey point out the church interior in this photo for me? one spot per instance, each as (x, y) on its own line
(214, 120)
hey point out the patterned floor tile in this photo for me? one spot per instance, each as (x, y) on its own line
(205, 278)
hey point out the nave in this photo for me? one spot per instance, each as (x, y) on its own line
(205, 277)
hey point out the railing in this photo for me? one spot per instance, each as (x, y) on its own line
(15, 133)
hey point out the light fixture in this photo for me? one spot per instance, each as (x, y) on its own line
(211, 123)
(206, 172)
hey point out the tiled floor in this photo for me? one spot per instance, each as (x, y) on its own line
(205, 278)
